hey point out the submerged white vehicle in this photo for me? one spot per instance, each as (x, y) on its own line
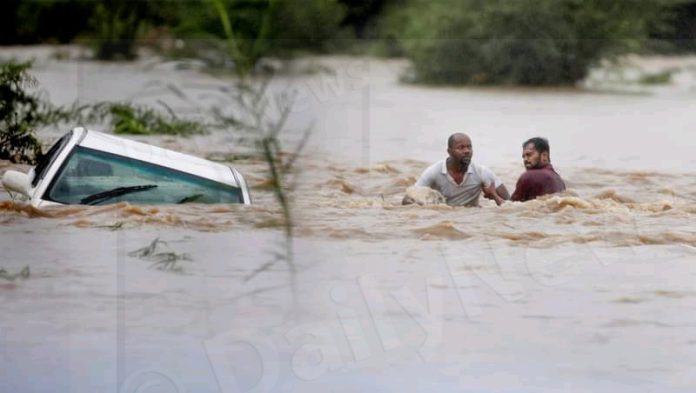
(92, 168)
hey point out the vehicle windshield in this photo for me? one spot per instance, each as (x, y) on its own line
(89, 172)
(47, 159)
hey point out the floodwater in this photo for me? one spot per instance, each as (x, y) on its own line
(592, 290)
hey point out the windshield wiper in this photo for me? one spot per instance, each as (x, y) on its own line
(191, 198)
(106, 195)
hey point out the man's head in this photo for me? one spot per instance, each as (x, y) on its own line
(536, 153)
(459, 148)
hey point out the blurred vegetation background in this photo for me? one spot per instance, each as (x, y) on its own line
(516, 42)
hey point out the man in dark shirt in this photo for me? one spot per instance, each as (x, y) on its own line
(540, 178)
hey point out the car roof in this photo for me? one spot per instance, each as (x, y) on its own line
(164, 157)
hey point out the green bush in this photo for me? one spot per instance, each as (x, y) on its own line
(520, 42)
(658, 78)
(675, 30)
(259, 28)
(117, 25)
(308, 24)
(126, 118)
(20, 113)
(29, 22)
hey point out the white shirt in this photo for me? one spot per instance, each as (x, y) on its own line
(465, 194)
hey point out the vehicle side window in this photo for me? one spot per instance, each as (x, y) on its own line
(89, 172)
(47, 159)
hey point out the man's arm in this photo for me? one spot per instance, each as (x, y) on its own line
(499, 195)
(426, 179)
(503, 192)
(520, 189)
(495, 189)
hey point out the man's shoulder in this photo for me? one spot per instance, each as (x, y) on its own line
(543, 178)
(483, 172)
(431, 174)
(437, 164)
(539, 174)
(434, 168)
(529, 174)
(478, 168)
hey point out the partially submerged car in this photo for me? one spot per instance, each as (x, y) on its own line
(92, 168)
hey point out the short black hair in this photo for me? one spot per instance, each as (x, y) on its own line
(450, 140)
(540, 144)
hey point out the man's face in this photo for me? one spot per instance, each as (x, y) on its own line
(531, 157)
(461, 151)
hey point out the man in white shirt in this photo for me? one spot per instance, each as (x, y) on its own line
(458, 179)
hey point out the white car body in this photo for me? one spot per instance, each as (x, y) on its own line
(35, 190)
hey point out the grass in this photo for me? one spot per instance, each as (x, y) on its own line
(658, 78)
(262, 117)
(23, 274)
(162, 256)
(128, 119)
(23, 112)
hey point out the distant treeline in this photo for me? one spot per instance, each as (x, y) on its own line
(533, 42)
(295, 24)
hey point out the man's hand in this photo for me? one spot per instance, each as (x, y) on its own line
(489, 192)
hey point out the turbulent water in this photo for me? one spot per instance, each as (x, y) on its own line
(590, 290)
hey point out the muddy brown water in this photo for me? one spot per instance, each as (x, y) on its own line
(590, 290)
